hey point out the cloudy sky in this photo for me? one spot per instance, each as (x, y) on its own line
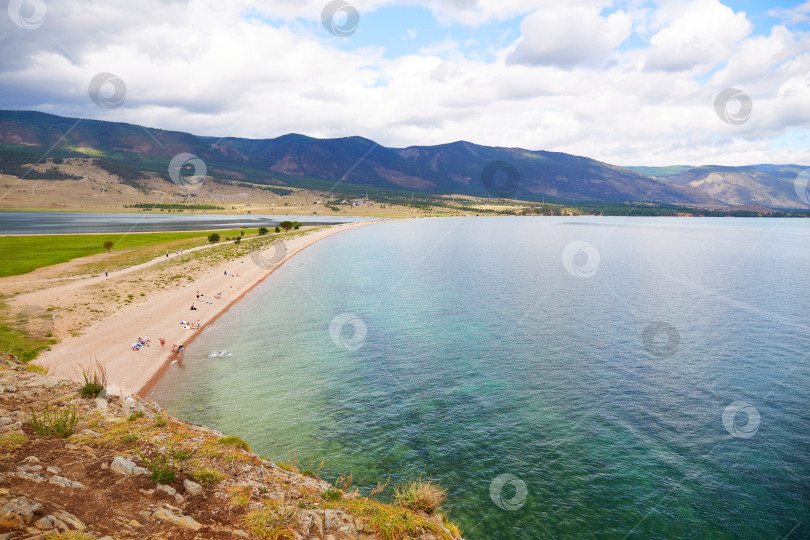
(628, 82)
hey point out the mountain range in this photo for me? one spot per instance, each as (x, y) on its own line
(354, 163)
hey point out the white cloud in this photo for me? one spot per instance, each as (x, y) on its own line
(212, 68)
(566, 35)
(700, 33)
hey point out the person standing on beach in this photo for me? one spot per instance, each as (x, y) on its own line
(105, 273)
(162, 342)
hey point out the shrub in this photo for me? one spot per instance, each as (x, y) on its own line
(92, 389)
(10, 442)
(420, 496)
(332, 495)
(288, 466)
(69, 535)
(182, 454)
(135, 415)
(233, 440)
(273, 522)
(161, 421)
(240, 495)
(161, 468)
(37, 369)
(278, 229)
(206, 477)
(263, 231)
(213, 238)
(54, 424)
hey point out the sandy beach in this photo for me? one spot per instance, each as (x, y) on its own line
(108, 341)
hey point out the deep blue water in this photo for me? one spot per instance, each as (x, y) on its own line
(634, 377)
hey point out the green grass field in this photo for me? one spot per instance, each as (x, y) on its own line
(23, 254)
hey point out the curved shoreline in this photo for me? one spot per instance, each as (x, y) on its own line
(149, 385)
(107, 342)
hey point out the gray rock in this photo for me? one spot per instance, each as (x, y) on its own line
(54, 470)
(64, 482)
(122, 465)
(23, 507)
(9, 389)
(185, 522)
(31, 477)
(167, 489)
(49, 522)
(192, 488)
(29, 468)
(31, 459)
(102, 404)
(72, 521)
(11, 519)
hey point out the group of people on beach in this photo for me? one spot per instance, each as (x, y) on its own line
(178, 349)
(146, 342)
(142, 342)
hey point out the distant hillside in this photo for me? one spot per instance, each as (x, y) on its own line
(356, 163)
(763, 185)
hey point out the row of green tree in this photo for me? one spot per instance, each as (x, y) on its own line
(174, 206)
(19, 163)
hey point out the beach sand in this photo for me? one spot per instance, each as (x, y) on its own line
(108, 341)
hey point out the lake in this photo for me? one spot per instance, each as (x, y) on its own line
(100, 223)
(593, 377)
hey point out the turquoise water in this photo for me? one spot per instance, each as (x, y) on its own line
(481, 347)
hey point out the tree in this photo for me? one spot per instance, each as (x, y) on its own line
(277, 229)
(263, 231)
(297, 225)
(213, 237)
(238, 240)
(108, 245)
(286, 225)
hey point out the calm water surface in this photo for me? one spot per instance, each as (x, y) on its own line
(85, 222)
(649, 381)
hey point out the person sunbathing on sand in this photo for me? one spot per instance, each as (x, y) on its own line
(193, 308)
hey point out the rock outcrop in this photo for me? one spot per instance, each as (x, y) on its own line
(122, 468)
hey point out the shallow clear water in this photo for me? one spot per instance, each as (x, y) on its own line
(484, 356)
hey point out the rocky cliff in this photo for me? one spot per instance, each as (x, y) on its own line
(74, 467)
